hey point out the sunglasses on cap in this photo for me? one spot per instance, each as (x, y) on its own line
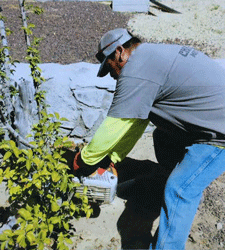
(101, 56)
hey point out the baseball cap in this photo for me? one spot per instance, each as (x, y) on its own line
(108, 44)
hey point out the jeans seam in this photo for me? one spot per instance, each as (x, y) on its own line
(206, 163)
(186, 184)
(168, 230)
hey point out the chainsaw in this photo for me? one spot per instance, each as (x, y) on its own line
(101, 185)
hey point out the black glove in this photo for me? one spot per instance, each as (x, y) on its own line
(81, 169)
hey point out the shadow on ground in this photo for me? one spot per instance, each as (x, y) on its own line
(141, 183)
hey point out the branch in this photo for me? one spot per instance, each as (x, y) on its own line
(13, 132)
(24, 20)
(4, 40)
(5, 68)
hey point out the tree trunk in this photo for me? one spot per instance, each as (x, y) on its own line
(25, 109)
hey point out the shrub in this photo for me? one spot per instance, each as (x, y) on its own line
(42, 194)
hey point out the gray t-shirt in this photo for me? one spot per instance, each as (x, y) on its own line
(179, 89)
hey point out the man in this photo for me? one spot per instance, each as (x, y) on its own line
(181, 91)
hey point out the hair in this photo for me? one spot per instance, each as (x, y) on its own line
(130, 44)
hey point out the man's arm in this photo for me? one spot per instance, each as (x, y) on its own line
(114, 138)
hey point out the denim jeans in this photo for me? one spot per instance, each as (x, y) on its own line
(200, 165)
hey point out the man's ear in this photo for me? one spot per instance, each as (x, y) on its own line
(120, 51)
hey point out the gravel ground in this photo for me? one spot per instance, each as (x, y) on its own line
(201, 25)
(70, 30)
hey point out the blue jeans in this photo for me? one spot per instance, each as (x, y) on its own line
(190, 169)
(200, 165)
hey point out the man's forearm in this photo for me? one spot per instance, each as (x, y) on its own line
(114, 138)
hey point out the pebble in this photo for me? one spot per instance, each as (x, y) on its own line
(219, 226)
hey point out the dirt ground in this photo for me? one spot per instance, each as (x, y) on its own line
(132, 219)
(131, 222)
(70, 32)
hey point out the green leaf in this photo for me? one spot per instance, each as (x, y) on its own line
(28, 164)
(65, 138)
(41, 143)
(41, 246)
(68, 241)
(36, 209)
(38, 184)
(8, 232)
(30, 154)
(7, 155)
(67, 144)
(57, 115)
(3, 237)
(64, 119)
(16, 152)
(25, 151)
(57, 155)
(63, 185)
(12, 144)
(3, 244)
(55, 176)
(85, 199)
(72, 206)
(21, 159)
(29, 227)
(61, 166)
(66, 225)
(11, 242)
(20, 238)
(77, 195)
(5, 146)
(89, 213)
(43, 234)
(47, 241)
(50, 228)
(85, 189)
(33, 143)
(55, 207)
(36, 160)
(30, 236)
(15, 190)
(25, 214)
(23, 242)
(55, 220)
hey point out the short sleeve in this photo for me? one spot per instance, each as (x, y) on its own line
(133, 98)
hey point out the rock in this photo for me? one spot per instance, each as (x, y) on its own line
(9, 225)
(76, 93)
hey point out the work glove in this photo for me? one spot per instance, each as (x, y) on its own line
(81, 169)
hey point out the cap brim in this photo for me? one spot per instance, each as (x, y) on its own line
(103, 70)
